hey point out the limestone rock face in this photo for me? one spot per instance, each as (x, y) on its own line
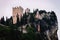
(45, 24)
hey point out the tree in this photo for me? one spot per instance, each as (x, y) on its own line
(18, 22)
(2, 20)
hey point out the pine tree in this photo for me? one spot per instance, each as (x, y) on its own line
(2, 20)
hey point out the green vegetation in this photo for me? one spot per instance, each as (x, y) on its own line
(21, 36)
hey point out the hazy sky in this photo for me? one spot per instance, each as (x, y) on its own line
(48, 5)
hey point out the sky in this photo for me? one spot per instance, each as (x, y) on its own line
(48, 5)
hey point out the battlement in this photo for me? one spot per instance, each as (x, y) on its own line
(14, 8)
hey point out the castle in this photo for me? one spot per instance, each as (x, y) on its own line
(17, 11)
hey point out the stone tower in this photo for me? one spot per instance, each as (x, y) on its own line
(19, 11)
